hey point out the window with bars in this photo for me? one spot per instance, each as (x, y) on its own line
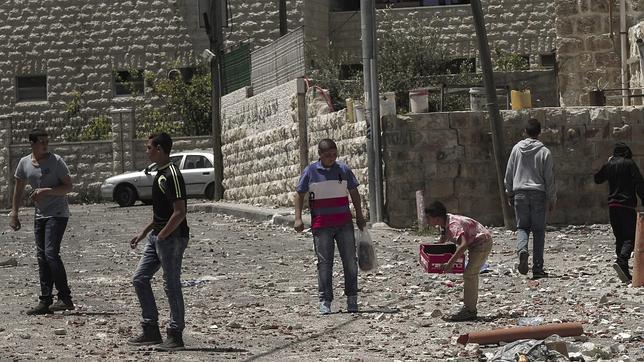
(410, 3)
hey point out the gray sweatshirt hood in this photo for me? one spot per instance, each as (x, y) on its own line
(530, 146)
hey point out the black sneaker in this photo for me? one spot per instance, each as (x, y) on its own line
(174, 342)
(625, 277)
(150, 335)
(539, 274)
(61, 305)
(41, 308)
(523, 262)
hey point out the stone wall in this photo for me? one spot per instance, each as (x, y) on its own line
(6, 181)
(261, 145)
(636, 81)
(524, 27)
(89, 163)
(588, 53)
(449, 156)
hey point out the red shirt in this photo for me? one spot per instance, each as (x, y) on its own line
(472, 231)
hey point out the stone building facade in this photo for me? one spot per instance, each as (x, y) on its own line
(68, 47)
(56, 49)
(588, 46)
(524, 27)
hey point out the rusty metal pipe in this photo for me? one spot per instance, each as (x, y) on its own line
(513, 334)
(638, 262)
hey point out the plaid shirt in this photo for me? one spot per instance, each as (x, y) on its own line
(472, 231)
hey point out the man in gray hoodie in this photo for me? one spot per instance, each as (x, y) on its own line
(530, 186)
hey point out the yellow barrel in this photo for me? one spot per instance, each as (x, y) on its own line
(521, 99)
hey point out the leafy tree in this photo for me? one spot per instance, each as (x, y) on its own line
(510, 62)
(186, 96)
(408, 57)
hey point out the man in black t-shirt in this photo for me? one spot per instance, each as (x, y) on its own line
(164, 248)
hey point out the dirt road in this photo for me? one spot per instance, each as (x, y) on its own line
(251, 293)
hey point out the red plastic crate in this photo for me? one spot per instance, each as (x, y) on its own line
(433, 255)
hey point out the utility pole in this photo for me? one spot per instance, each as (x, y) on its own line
(496, 123)
(283, 21)
(372, 107)
(213, 22)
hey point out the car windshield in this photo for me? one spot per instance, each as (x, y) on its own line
(176, 160)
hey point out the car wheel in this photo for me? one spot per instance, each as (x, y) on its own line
(125, 195)
(210, 191)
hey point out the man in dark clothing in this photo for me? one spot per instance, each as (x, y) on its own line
(624, 182)
(164, 248)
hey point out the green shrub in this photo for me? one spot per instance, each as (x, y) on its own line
(155, 121)
(96, 129)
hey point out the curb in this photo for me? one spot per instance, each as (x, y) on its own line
(282, 216)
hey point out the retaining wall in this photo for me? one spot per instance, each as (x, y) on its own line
(449, 156)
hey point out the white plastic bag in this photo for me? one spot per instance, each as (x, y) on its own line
(366, 253)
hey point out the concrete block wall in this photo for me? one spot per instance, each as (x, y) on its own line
(450, 157)
(317, 26)
(257, 21)
(635, 70)
(524, 27)
(587, 52)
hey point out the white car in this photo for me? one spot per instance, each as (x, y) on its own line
(196, 167)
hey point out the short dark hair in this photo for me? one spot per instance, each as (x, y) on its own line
(327, 144)
(35, 133)
(163, 140)
(533, 129)
(436, 209)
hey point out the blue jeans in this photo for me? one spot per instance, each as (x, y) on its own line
(324, 249)
(49, 234)
(530, 209)
(166, 254)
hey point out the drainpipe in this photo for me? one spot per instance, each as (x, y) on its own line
(640, 47)
(624, 51)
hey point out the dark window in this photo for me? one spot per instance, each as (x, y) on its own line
(461, 65)
(204, 6)
(345, 5)
(128, 83)
(526, 59)
(187, 73)
(348, 71)
(196, 161)
(184, 74)
(176, 160)
(31, 88)
(548, 60)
